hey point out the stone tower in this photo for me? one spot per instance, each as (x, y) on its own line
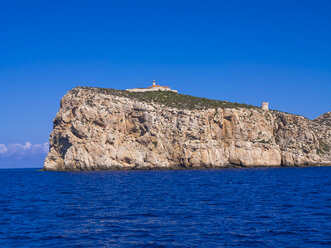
(265, 105)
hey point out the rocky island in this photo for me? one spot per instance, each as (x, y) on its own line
(105, 129)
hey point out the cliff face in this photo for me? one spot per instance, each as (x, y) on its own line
(324, 119)
(97, 131)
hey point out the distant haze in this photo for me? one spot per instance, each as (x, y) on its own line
(22, 155)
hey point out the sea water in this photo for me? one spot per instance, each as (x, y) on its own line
(275, 207)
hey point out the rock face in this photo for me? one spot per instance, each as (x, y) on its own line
(324, 119)
(96, 131)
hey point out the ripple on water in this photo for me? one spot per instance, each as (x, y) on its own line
(274, 207)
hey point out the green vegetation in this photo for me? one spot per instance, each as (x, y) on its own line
(265, 141)
(169, 99)
(154, 143)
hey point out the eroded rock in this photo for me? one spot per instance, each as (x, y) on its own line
(96, 131)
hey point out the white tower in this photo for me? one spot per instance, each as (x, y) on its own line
(153, 82)
(265, 106)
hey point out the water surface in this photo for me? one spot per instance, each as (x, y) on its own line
(277, 207)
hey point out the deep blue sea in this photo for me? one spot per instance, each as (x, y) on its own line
(277, 207)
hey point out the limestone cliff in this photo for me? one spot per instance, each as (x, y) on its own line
(324, 119)
(99, 129)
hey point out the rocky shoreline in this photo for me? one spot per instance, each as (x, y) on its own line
(99, 129)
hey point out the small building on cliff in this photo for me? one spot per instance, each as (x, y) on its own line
(154, 87)
(265, 106)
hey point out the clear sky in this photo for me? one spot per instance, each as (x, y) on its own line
(240, 51)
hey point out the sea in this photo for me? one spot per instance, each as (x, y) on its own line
(257, 207)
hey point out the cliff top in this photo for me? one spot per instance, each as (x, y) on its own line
(169, 99)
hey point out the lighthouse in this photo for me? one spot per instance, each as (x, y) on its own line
(153, 87)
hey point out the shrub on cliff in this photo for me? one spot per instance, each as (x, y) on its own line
(170, 99)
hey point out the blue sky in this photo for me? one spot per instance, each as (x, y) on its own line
(241, 51)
